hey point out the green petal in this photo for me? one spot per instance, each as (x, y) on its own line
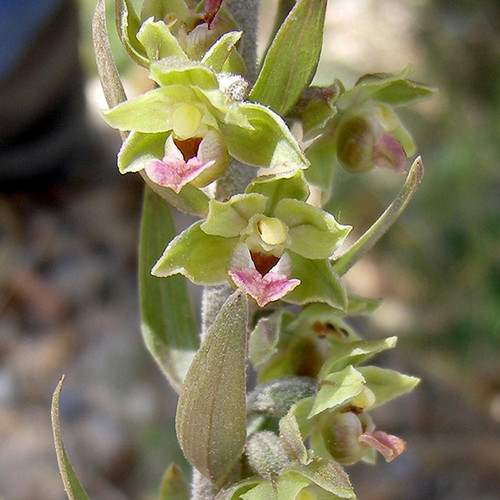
(280, 186)
(314, 233)
(138, 148)
(202, 258)
(158, 42)
(336, 389)
(220, 50)
(292, 58)
(319, 283)
(150, 112)
(229, 218)
(174, 70)
(387, 384)
(269, 144)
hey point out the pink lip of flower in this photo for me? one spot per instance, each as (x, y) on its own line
(175, 173)
(264, 289)
(388, 445)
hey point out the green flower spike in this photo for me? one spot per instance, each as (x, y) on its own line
(271, 226)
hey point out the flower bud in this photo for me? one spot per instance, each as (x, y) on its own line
(341, 434)
(266, 454)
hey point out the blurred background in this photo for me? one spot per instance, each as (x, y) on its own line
(68, 246)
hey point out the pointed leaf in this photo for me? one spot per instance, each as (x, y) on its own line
(269, 144)
(220, 50)
(336, 389)
(128, 24)
(354, 353)
(168, 324)
(158, 41)
(106, 68)
(387, 384)
(202, 258)
(72, 485)
(173, 485)
(290, 433)
(319, 283)
(211, 415)
(293, 57)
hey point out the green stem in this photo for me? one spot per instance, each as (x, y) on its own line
(384, 222)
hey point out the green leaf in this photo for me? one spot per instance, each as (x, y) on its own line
(354, 353)
(211, 414)
(139, 148)
(387, 384)
(173, 485)
(361, 305)
(293, 57)
(336, 389)
(220, 50)
(276, 187)
(202, 258)
(168, 324)
(72, 485)
(158, 42)
(384, 222)
(263, 340)
(106, 68)
(150, 112)
(290, 433)
(319, 283)
(328, 475)
(286, 487)
(128, 24)
(269, 144)
(314, 233)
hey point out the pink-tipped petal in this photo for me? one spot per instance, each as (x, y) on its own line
(263, 289)
(388, 445)
(388, 153)
(175, 173)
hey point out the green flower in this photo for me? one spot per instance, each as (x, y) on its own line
(271, 220)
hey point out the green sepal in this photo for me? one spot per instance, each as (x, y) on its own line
(358, 306)
(286, 486)
(173, 485)
(292, 58)
(127, 25)
(72, 486)
(268, 144)
(319, 283)
(178, 71)
(167, 320)
(336, 389)
(229, 218)
(326, 474)
(354, 353)
(201, 257)
(395, 90)
(387, 384)
(160, 9)
(150, 112)
(314, 233)
(158, 41)
(139, 148)
(219, 52)
(292, 437)
(322, 154)
(276, 187)
(211, 413)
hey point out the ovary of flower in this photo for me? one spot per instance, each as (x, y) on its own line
(175, 173)
(264, 289)
(185, 120)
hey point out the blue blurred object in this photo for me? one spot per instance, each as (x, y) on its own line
(20, 23)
